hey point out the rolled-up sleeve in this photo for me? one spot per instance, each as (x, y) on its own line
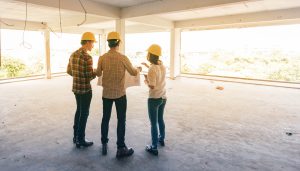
(69, 69)
(131, 70)
(89, 68)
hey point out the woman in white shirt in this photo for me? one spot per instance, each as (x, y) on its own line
(157, 97)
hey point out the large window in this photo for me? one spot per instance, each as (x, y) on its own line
(269, 53)
(62, 46)
(137, 44)
(21, 57)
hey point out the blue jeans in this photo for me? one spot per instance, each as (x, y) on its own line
(121, 107)
(83, 102)
(156, 115)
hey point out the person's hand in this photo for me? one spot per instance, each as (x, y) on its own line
(145, 64)
(94, 73)
(93, 76)
(140, 68)
(146, 82)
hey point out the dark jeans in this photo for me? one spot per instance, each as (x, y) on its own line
(83, 102)
(121, 106)
(156, 115)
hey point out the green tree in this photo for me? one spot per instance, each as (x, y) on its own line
(13, 66)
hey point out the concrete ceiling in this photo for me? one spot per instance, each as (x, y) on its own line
(153, 14)
(36, 13)
(232, 9)
(125, 3)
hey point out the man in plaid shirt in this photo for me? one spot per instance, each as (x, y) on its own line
(80, 67)
(112, 66)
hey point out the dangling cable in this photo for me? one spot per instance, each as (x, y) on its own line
(59, 16)
(85, 13)
(25, 44)
(51, 30)
(25, 24)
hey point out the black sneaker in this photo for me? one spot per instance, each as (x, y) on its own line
(162, 142)
(104, 149)
(152, 150)
(124, 152)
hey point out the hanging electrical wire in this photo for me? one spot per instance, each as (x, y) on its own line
(85, 13)
(59, 8)
(49, 28)
(25, 44)
(25, 23)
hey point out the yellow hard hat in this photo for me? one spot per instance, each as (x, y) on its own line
(155, 50)
(113, 35)
(88, 36)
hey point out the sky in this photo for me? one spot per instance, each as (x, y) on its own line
(286, 37)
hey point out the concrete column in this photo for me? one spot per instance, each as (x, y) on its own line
(103, 43)
(47, 54)
(175, 52)
(120, 28)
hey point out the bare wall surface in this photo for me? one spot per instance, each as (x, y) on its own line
(242, 127)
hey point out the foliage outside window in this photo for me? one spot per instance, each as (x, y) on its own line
(138, 43)
(61, 48)
(18, 60)
(268, 53)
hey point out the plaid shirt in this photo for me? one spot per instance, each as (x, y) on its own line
(113, 65)
(80, 67)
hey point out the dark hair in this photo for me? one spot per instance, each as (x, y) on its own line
(153, 59)
(113, 43)
(83, 42)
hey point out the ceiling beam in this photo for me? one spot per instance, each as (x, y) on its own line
(168, 6)
(286, 16)
(73, 22)
(76, 30)
(144, 29)
(153, 21)
(91, 7)
(19, 25)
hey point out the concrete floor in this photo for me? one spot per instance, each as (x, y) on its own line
(242, 127)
